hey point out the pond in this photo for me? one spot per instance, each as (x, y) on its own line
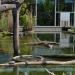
(66, 47)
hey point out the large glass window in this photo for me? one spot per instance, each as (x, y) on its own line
(69, 1)
(45, 12)
(65, 5)
(71, 19)
(58, 19)
(48, 13)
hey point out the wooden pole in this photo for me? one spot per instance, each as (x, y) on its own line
(5, 7)
(16, 30)
(15, 12)
(0, 2)
(16, 9)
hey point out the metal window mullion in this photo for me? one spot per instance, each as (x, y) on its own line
(55, 12)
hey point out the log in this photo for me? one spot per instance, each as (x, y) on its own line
(72, 62)
(5, 7)
(41, 42)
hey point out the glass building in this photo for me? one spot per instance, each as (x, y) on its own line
(55, 12)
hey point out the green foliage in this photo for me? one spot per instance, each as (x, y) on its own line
(24, 20)
(48, 6)
(5, 44)
(23, 9)
(46, 13)
(4, 23)
(73, 28)
(26, 49)
(29, 1)
(26, 17)
(48, 37)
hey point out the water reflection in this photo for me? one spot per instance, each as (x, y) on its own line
(66, 42)
(6, 49)
(5, 57)
(66, 47)
(48, 70)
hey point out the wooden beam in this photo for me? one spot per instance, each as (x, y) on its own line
(11, 1)
(5, 7)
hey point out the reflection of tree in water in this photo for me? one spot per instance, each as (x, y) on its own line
(6, 44)
(16, 71)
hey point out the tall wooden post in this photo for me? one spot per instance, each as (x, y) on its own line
(0, 2)
(16, 9)
(16, 30)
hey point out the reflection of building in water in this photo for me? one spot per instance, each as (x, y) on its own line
(56, 70)
(64, 40)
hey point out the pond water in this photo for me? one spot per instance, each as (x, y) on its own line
(66, 47)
